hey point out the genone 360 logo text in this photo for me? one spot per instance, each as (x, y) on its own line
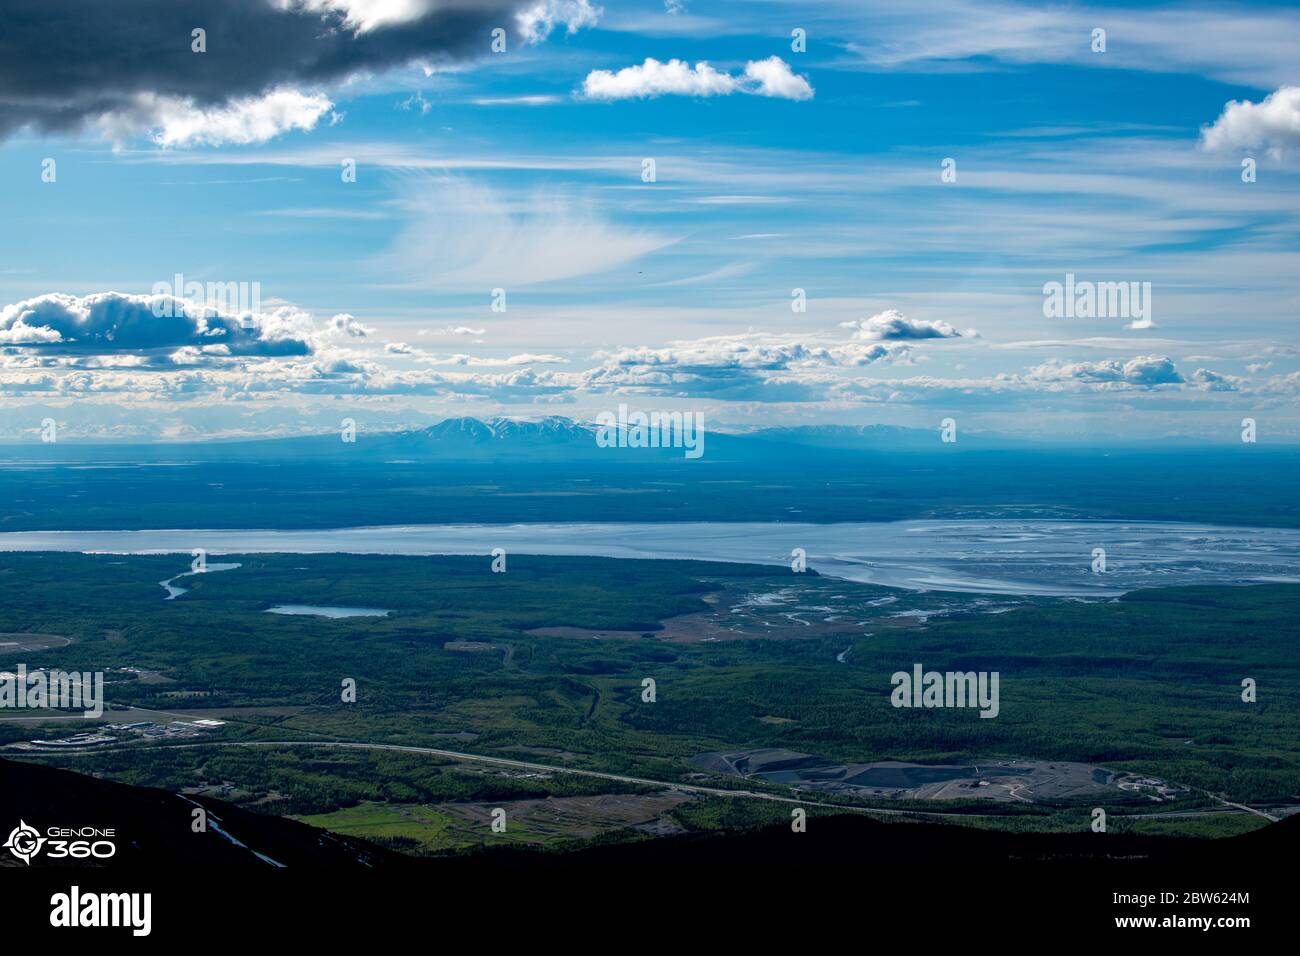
(61, 843)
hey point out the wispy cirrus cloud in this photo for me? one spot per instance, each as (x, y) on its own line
(465, 235)
(1236, 43)
(528, 99)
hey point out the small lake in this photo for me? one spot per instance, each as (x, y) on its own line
(319, 610)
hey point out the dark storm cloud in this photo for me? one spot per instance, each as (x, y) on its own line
(63, 62)
(112, 322)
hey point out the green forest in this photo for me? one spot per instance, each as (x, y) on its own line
(1150, 683)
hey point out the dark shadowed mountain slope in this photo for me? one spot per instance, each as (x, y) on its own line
(154, 827)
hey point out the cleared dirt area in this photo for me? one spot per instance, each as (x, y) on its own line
(573, 817)
(27, 643)
(480, 647)
(130, 714)
(1007, 780)
(591, 633)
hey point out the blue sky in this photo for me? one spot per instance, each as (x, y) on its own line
(775, 170)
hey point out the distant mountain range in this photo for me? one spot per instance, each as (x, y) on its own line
(459, 437)
(882, 438)
(553, 438)
(473, 438)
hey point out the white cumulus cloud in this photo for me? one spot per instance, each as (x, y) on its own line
(1143, 371)
(345, 324)
(774, 77)
(538, 21)
(108, 323)
(771, 77)
(1272, 124)
(176, 121)
(892, 325)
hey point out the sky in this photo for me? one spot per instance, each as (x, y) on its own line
(771, 213)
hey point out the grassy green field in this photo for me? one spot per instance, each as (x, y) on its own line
(401, 826)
